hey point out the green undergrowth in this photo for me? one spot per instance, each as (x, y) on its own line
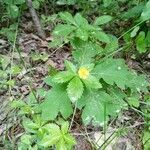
(96, 82)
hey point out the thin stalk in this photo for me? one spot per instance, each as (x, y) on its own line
(130, 29)
(105, 123)
(74, 112)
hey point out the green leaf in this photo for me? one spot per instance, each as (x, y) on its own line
(56, 101)
(66, 2)
(118, 103)
(102, 20)
(8, 2)
(18, 104)
(19, 2)
(50, 140)
(92, 82)
(63, 76)
(49, 81)
(138, 83)
(77, 43)
(80, 21)
(57, 42)
(146, 140)
(82, 34)
(90, 67)
(107, 2)
(63, 30)
(101, 36)
(133, 101)
(98, 106)
(11, 83)
(4, 61)
(70, 67)
(85, 53)
(26, 139)
(134, 32)
(53, 129)
(111, 46)
(146, 12)
(65, 127)
(133, 12)
(36, 4)
(57, 137)
(30, 126)
(15, 69)
(66, 16)
(70, 140)
(148, 38)
(13, 11)
(61, 145)
(115, 71)
(141, 42)
(75, 89)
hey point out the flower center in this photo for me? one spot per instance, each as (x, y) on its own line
(83, 73)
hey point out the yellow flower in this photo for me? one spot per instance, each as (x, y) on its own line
(83, 73)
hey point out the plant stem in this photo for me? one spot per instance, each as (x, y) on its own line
(73, 115)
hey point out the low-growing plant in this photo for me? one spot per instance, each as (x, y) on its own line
(94, 82)
(146, 114)
(77, 28)
(6, 71)
(104, 84)
(9, 32)
(12, 7)
(139, 35)
(40, 133)
(46, 20)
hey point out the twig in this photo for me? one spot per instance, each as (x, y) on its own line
(36, 20)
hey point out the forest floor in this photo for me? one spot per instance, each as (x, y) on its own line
(32, 77)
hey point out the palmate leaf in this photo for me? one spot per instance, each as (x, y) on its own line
(56, 101)
(115, 71)
(75, 89)
(98, 106)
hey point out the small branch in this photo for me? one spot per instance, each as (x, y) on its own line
(36, 20)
